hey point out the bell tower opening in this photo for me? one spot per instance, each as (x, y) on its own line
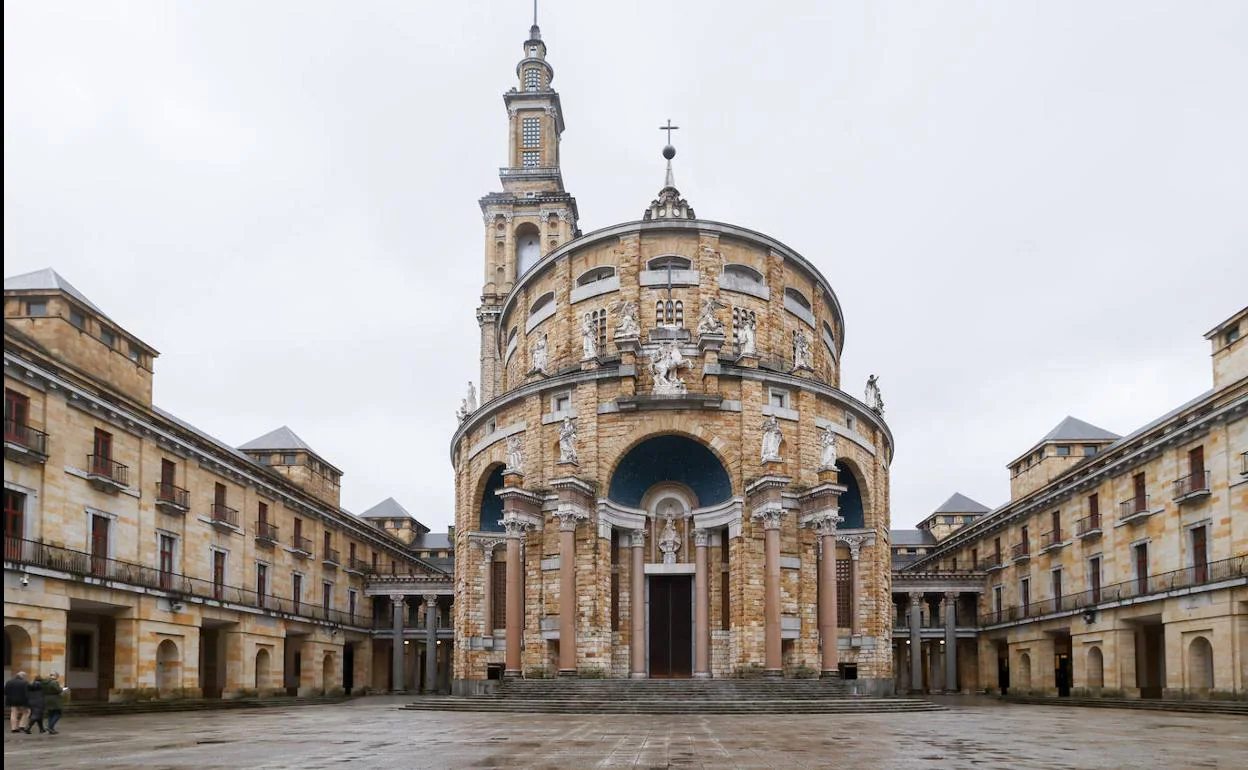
(528, 247)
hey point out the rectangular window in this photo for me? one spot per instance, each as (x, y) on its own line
(1024, 594)
(998, 594)
(532, 79)
(1094, 507)
(530, 159)
(298, 528)
(498, 595)
(108, 337)
(352, 598)
(1089, 450)
(1055, 520)
(328, 542)
(288, 459)
(996, 549)
(81, 647)
(531, 132)
(78, 320)
(262, 583)
(1139, 489)
(1196, 467)
(563, 403)
(1094, 578)
(374, 561)
(37, 307)
(844, 585)
(351, 554)
(166, 561)
(1141, 568)
(327, 596)
(16, 416)
(296, 589)
(1057, 589)
(262, 513)
(14, 523)
(974, 558)
(218, 574)
(134, 353)
(1063, 450)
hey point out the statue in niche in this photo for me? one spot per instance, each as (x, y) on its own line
(827, 449)
(589, 338)
(669, 541)
(873, 397)
(628, 326)
(567, 441)
(801, 350)
(747, 325)
(537, 355)
(665, 364)
(771, 439)
(515, 453)
(707, 322)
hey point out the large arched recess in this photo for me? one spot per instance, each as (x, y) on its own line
(491, 505)
(670, 457)
(851, 499)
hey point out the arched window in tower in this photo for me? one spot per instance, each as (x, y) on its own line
(671, 261)
(739, 317)
(530, 132)
(679, 316)
(598, 319)
(659, 315)
(669, 313)
(532, 79)
(528, 247)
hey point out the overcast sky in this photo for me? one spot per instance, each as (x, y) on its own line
(1027, 210)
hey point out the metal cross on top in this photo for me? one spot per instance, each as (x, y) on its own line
(669, 128)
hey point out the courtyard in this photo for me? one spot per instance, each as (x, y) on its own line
(375, 733)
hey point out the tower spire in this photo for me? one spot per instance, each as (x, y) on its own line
(669, 204)
(534, 32)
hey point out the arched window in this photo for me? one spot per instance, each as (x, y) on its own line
(528, 247)
(512, 342)
(659, 314)
(669, 313)
(796, 296)
(595, 274)
(598, 319)
(680, 313)
(669, 262)
(739, 317)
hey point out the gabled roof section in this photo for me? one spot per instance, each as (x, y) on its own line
(387, 509)
(1074, 429)
(48, 279)
(960, 503)
(282, 438)
(911, 537)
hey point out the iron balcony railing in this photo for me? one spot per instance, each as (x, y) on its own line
(1088, 524)
(301, 544)
(25, 436)
(331, 556)
(359, 565)
(1191, 484)
(1021, 550)
(1243, 464)
(224, 514)
(991, 562)
(168, 493)
(266, 531)
(1200, 574)
(35, 553)
(107, 468)
(1133, 507)
(1049, 539)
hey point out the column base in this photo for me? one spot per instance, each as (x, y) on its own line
(830, 674)
(701, 675)
(773, 673)
(567, 672)
(639, 675)
(511, 673)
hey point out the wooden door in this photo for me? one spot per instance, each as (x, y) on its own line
(1200, 555)
(16, 413)
(1141, 569)
(1139, 491)
(218, 573)
(14, 529)
(671, 626)
(166, 561)
(99, 544)
(1196, 464)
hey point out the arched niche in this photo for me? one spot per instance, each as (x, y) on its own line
(528, 247)
(1200, 665)
(851, 502)
(490, 508)
(263, 674)
(1096, 667)
(670, 458)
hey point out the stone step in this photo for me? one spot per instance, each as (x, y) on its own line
(667, 706)
(1196, 707)
(192, 704)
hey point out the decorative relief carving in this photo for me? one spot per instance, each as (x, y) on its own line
(747, 328)
(707, 322)
(515, 453)
(537, 355)
(855, 543)
(567, 442)
(827, 449)
(665, 365)
(772, 437)
(801, 350)
(628, 326)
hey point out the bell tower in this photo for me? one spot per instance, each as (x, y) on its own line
(533, 214)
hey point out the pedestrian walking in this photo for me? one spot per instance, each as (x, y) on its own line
(53, 693)
(35, 702)
(16, 697)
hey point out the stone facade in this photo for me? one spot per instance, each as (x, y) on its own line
(144, 558)
(669, 430)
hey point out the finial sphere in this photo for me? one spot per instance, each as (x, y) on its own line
(669, 152)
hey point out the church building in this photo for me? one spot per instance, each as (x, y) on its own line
(664, 477)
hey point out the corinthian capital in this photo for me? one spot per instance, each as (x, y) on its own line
(701, 538)
(769, 514)
(570, 516)
(514, 525)
(825, 523)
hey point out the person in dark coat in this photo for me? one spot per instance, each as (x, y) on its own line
(34, 698)
(52, 700)
(18, 701)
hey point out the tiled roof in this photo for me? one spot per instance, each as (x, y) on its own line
(960, 503)
(911, 537)
(387, 509)
(282, 438)
(48, 279)
(1074, 429)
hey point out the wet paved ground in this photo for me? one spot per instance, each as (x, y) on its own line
(373, 733)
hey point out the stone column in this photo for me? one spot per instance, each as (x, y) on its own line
(916, 641)
(515, 601)
(855, 543)
(487, 597)
(770, 515)
(431, 643)
(567, 590)
(825, 527)
(701, 608)
(396, 654)
(637, 608)
(951, 642)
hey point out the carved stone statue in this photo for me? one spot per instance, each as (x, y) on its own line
(471, 402)
(589, 338)
(537, 355)
(707, 322)
(801, 350)
(567, 441)
(665, 364)
(873, 397)
(515, 453)
(628, 325)
(771, 439)
(827, 449)
(746, 327)
(461, 413)
(669, 541)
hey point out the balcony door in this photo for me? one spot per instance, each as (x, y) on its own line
(16, 413)
(1196, 465)
(14, 524)
(1200, 555)
(1141, 569)
(1139, 492)
(99, 544)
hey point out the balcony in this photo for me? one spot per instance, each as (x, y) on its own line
(1192, 487)
(1021, 551)
(266, 534)
(1133, 510)
(991, 563)
(302, 546)
(224, 516)
(1051, 540)
(23, 444)
(331, 559)
(107, 475)
(1088, 526)
(171, 499)
(358, 566)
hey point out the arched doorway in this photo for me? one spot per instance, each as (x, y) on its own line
(17, 651)
(327, 672)
(1096, 667)
(263, 674)
(850, 501)
(1200, 666)
(168, 669)
(1024, 671)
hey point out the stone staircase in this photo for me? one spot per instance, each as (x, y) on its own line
(673, 696)
(1239, 708)
(89, 709)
